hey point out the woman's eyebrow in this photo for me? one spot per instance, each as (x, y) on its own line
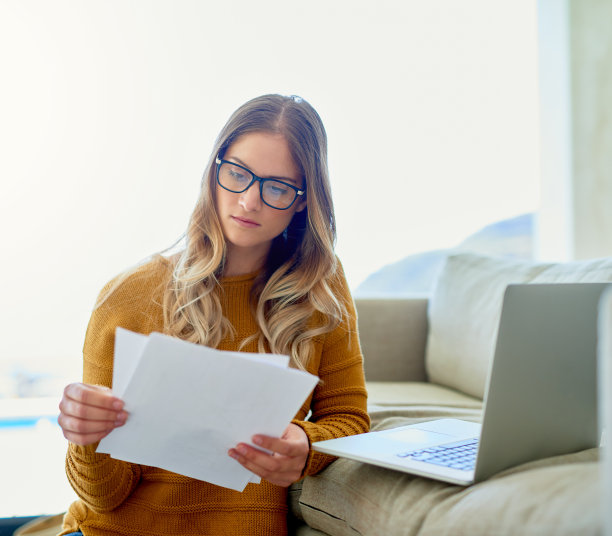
(285, 179)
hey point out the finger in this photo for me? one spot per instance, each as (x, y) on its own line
(84, 427)
(93, 395)
(264, 464)
(271, 468)
(256, 458)
(73, 408)
(85, 439)
(285, 447)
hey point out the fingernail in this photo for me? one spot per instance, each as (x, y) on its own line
(257, 440)
(117, 404)
(242, 449)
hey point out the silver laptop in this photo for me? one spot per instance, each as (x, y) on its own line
(541, 397)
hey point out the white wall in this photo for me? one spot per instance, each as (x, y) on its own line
(575, 45)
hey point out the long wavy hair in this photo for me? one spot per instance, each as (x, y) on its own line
(298, 275)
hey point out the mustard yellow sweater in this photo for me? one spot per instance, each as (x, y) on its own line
(122, 498)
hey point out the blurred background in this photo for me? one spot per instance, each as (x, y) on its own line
(110, 109)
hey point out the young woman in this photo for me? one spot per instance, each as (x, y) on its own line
(257, 274)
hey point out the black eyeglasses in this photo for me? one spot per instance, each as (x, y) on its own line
(274, 193)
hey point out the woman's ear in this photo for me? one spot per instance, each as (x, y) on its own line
(300, 206)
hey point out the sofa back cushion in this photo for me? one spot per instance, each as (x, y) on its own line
(465, 307)
(393, 334)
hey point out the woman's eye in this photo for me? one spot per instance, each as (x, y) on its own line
(237, 175)
(278, 193)
(278, 190)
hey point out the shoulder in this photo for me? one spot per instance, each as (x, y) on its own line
(132, 300)
(339, 284)
(137, 287)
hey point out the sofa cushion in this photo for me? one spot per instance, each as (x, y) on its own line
(387, 397)
(353, 498)
(465, 307)
(557, 496)
(393, 334)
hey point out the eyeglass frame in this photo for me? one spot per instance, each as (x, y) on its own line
(256, 178)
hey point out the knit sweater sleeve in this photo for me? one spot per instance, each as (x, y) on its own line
(100, 481)
(339, 402)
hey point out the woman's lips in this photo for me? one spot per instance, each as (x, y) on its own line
(244, 222)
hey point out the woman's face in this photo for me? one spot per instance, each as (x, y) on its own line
(249, 225)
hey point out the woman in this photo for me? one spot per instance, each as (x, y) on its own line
(257, 274)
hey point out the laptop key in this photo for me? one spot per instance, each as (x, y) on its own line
(459, 455)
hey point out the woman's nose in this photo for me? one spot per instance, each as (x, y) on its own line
(250, 199)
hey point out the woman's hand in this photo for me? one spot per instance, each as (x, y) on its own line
(89, 412)
(285, 465)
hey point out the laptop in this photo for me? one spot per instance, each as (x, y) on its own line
(540, 401)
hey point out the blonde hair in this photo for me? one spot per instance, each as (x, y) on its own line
(297, 279)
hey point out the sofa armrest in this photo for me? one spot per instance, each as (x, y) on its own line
(393, 334)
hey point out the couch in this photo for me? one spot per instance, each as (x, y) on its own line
(427, 358)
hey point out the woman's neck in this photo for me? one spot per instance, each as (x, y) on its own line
(238, 262)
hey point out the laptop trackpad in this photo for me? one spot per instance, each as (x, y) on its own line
(416, 437)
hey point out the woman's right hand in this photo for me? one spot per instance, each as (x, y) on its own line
(89, 412)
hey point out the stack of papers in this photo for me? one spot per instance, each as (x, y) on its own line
(189, 404)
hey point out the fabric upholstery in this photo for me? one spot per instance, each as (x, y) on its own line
(393, 334)
(386, 399)
(465, 308)
(554, 496)
(401, 394)
(605, 376)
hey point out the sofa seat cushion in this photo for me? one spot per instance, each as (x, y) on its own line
(554, 496)
(409, 394)
(419, 400)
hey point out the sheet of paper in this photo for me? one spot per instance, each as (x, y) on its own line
(128, 351)
(188, 404)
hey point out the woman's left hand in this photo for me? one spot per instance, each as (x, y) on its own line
(285, 465)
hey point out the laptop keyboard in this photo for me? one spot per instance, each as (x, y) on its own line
(460, 455)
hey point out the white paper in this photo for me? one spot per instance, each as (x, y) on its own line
(189, 404)
(128, 351)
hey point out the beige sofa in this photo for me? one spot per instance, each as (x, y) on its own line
(429, 358)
